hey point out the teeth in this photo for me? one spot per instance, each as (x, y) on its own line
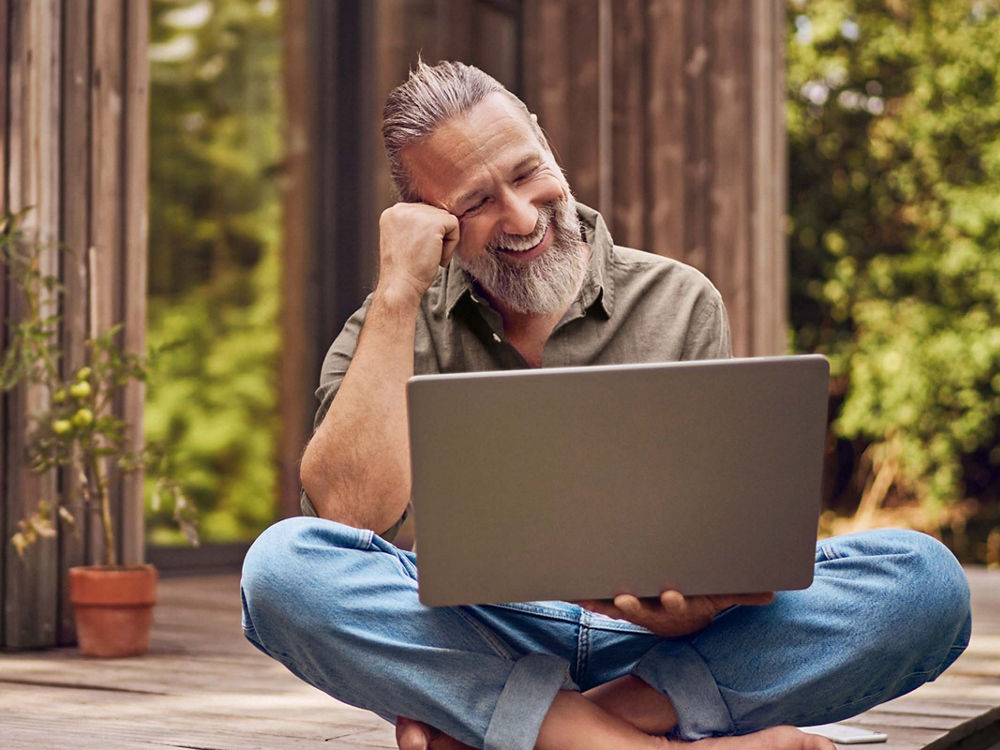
(529, 242)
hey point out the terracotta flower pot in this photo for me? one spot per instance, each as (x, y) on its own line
(113, 607)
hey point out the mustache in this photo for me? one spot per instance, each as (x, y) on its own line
(521, 242)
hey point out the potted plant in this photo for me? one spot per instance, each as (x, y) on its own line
(79, 430)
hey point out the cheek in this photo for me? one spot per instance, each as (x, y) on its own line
(551, 185)
(473, 236)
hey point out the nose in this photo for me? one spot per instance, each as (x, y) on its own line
(520, 215)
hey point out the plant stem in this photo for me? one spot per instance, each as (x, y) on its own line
(100, 476)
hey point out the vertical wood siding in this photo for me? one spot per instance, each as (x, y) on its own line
(74, 92)
(696, 153)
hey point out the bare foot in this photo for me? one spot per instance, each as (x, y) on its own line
(415, 735)
(775, 738)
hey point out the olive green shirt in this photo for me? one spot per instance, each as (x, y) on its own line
(633, 306)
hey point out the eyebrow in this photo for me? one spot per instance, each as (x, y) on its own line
(476, 192)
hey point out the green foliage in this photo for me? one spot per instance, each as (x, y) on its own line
(214, 263)
(894, 127)
(78, 428)
(31, 354)
(214, 401)
(215, 109)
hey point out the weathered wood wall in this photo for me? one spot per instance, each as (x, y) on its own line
(74, 95)
(666, 114)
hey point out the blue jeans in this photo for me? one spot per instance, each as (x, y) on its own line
(888, 611)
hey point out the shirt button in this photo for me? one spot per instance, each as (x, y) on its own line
(496, 337)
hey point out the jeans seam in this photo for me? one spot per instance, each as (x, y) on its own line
(535, 609)
(582, 647)
(492, 640)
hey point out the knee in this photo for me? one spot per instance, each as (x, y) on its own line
(274, 555)
(930, 571)
(942, 602)
(922, 590)
(287, 566)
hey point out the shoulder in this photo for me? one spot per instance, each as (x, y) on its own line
(669, 280)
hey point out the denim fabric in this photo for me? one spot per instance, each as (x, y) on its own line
(888, 611)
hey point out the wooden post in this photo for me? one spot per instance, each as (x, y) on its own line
(30, 596)
(74, 90)
(132, 257)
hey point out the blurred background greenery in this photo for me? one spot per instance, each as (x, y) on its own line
(894, 242)
(214, 265)
(894, 247)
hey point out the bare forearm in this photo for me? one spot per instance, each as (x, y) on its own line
(356, 468)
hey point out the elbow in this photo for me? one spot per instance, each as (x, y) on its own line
(313, 481)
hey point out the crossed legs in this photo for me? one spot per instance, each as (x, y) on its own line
(338, 606)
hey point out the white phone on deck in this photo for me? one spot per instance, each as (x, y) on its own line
(843, 734)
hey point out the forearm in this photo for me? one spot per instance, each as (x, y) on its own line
(356, 468)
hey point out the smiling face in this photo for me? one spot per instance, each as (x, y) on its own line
(519, 234)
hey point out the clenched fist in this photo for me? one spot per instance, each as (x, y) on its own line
(415, 239)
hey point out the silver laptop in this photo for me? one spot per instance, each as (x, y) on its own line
(583, 483)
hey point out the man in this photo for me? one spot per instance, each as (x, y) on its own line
(488, 263)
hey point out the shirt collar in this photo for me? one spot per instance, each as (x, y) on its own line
(598, 284)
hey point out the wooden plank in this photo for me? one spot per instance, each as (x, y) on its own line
(545, 74)
(605, 126)
(665, 106)
(295, 382)
(49, 106)
(106, 187)
(729, 186)
(30, 583)
(627, 220)
(769, 303)
(401, 30)
(697, 144)
(4, 426)
(495, 43)
(75, 235)
(582, 73)
(370, 142)
(133, 257)
(455, 29)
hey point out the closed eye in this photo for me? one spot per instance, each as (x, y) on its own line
(473, 210)
(525, 175)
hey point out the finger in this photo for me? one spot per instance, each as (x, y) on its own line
(631, 606)
(673, 600)
(450, 240)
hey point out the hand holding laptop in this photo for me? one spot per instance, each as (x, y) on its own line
(672, 615)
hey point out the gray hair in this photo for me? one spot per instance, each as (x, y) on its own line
(432, 95)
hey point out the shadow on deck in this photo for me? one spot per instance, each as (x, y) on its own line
(202, 686)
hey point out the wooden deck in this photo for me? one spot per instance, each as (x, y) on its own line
(203, 687)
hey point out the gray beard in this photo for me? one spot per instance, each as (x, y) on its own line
(545, 285)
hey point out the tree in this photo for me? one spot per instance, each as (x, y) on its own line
(894, 129)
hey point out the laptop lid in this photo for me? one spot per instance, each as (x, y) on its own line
(583, 483)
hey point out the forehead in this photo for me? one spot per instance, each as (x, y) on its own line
(470, 150)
